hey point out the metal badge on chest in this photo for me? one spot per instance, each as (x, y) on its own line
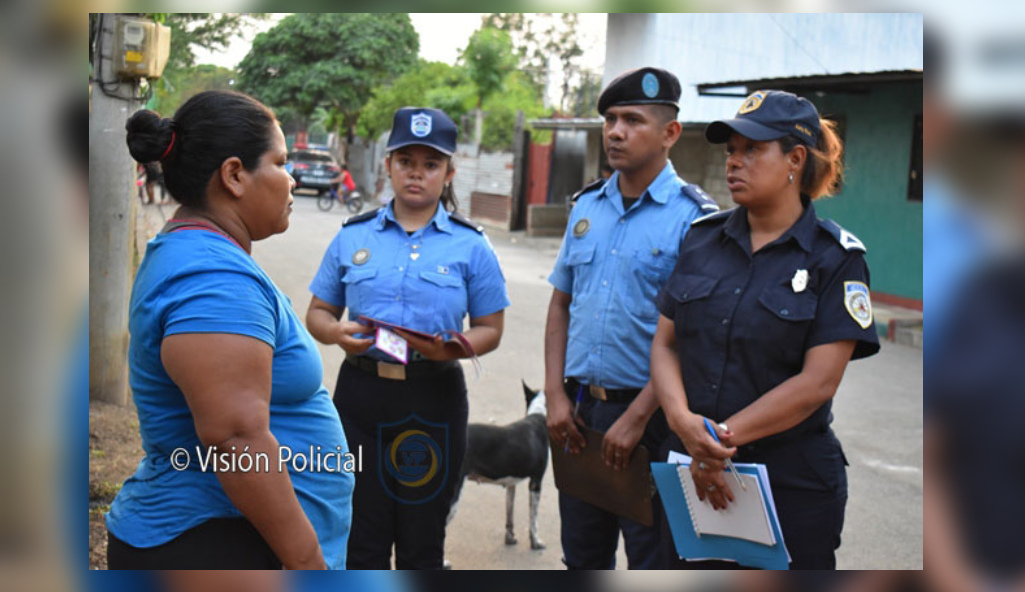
(361, 256)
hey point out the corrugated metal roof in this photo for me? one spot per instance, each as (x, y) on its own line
(570, 123)
(813, 82)
(713, 48)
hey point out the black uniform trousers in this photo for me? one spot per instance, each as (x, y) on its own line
(386, 513)
(811, 516)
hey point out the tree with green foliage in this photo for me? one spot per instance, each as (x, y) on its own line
(331, 61)
(517, 94)
(179, 85)
(429, 84)
(583, 98)
(211, 31)
(488, 59)
(538, 38)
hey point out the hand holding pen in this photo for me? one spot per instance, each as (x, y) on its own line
(563, 419)
(729, 462)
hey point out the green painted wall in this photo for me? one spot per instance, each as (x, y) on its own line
(874, 201)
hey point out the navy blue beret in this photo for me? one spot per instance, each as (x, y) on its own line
(643, 86)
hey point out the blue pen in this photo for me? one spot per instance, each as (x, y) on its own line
(729, 462)
(576, 409)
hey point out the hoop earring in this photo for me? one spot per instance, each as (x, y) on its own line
(790, 177)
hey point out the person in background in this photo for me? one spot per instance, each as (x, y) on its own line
(154, 178)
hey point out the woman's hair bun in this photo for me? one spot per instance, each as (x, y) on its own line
(149, 135)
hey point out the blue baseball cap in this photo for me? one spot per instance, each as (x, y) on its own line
(429, 127)
(770, 115)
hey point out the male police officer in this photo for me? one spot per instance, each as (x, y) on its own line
(620, 246)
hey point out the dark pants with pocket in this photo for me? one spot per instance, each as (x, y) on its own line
(219, 543)
(590, 535)
(809, 486)
(413, 438)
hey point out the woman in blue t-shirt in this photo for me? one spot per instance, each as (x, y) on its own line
(226, 380)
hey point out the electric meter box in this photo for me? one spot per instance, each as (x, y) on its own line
(141, 47)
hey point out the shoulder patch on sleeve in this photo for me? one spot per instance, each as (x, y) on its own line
(713, 216)
(847, 240)
(589, 187)
(464, 221)
(698, 196)
(361, 217)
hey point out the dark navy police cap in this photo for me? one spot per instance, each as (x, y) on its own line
(643, 86)
(770, 115)
(429, 127)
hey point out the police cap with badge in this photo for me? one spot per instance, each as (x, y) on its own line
(427, 127)
(643, 86)
(770, 115)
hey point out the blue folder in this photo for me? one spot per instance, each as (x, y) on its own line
(690, 546)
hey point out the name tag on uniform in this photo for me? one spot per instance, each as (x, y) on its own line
(392, 344)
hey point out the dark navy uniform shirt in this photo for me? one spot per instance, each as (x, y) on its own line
(745, 321)
(974, 391)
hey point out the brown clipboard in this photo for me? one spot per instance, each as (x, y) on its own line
(626, 493)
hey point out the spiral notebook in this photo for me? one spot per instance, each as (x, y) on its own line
(744, 518)
(697, 537)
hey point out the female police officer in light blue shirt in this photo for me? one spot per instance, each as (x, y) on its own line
(417, 265)
(766, 306)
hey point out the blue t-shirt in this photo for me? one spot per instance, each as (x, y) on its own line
(956, 245)
(428, 281)
(196, 281)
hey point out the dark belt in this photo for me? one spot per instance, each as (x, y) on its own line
(399, 371)
(756, 449)
(602, 394)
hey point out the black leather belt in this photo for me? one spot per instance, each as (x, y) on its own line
(398, 371)
(602, 394)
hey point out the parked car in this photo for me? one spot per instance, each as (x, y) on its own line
(313, 169)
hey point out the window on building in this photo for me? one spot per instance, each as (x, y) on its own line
(915, 174)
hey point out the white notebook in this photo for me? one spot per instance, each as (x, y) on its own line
(744, 518)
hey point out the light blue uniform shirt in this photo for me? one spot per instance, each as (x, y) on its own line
(614, 271)
(956, 244)
(428, 281)
(196, 281)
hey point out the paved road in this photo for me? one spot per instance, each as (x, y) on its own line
(878, 410)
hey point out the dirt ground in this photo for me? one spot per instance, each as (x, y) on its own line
(115, 449)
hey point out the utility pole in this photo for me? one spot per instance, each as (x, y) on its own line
(111, 222)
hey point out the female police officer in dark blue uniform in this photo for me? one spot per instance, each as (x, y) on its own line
(417, 265)
(766, 306)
